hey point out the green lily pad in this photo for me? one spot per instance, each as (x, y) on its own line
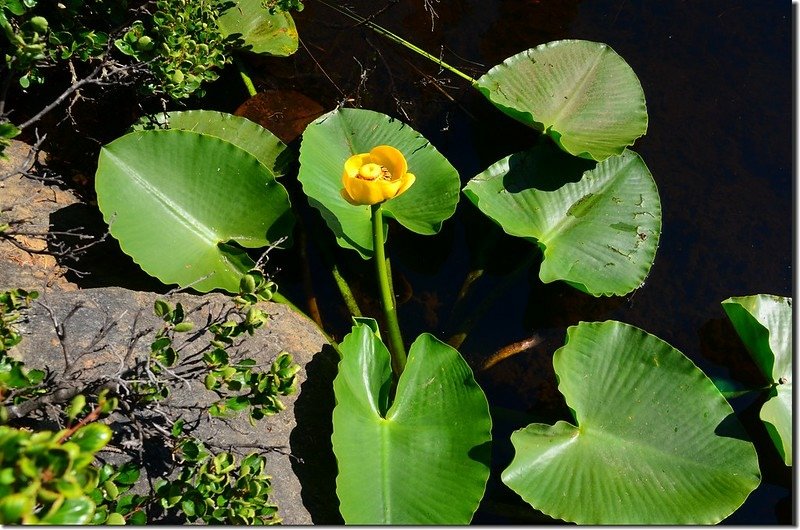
(420, 460)
(654, 442)
(764, 323)
(599, 232)
(334, 137)
(262, 32)
(581, 93)
(241, 132)
(182, 205)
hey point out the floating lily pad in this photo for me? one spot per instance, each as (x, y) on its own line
(581, 93)
(424, 458)
(599, 230)
(183, 204)
(262, 32)
(764, 323)
(239, 131)
(654, 442)
(333, 138)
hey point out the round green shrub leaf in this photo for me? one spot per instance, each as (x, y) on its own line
(92, 437)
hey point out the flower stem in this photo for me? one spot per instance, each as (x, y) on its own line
(248, 83)
(457, 339)
(387, 298)
(388, 34)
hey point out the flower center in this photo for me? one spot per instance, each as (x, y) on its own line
(372, 171)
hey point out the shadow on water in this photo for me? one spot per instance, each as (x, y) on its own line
(544, 168)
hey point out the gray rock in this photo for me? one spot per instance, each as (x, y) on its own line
(28, 204)
(91, 338)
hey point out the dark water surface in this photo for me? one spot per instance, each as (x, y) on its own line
(717, 78)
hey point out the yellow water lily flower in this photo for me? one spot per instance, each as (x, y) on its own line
(377, 176)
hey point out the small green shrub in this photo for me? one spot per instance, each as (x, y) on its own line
(54, 478)
(182, 43)
(214, 489)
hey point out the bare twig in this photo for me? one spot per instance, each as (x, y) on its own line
(25, 166)
(56, 248)
(90, 79)
(428, 4)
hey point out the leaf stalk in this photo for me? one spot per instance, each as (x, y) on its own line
(396, 38)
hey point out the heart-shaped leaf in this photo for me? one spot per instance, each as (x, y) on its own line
(581, 93)
(422, 460)
(599, 234)
(764, 323)
(262, 32)
(654, 442)
(177, 201)
(241, 132)
(334, 137)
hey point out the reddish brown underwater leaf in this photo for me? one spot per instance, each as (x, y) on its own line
(283, 112)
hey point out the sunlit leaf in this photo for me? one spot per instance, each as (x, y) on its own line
(654, 442)
(71, 512)
(262, 33)
(92, 437)
(14, 507)
(581, 93)
(241, 132)
(764, 323)
(422, 459)
(331, 139)
(598, 229)
(182, 205)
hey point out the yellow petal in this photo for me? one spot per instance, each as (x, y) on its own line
(346, 196)
(389, 188)
(363, 191)
(408, 180)
(354, 163)
(391, 159)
